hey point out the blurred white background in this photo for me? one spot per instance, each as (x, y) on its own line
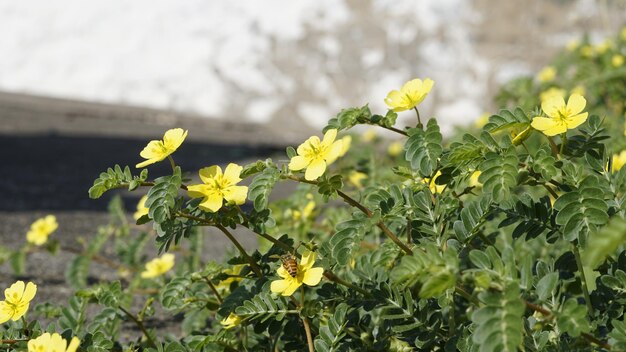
(293, 63)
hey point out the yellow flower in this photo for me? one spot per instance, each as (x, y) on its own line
(346, 141)
(355, 178)
(141, 208)
(482, 120)
(473, 180)
(156, 151)
(306, 212)
(551, 92)
(547, 74)
(218, 187)
(561, 117)
(230, 322)
(572, 45)
(617, 60)
(314, 155)
(586, 51)
(306, 274)
(158, 266)
(619, 160)
(52, 343)
(41, 229)
(16, 301)
(604, 46)
(369, 135)
(579, 89)
(395, 148)
(434, 187)
(410, 95)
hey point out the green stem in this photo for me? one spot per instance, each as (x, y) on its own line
(583, 279)
(217, 295)
(140, 325)
(563, 142)
(393, 129)
(554, 148)
(248, 258)
(419, 120)
(169, 157)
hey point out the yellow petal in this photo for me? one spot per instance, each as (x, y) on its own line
(575, 121)
(278, 286)
(549, 127)
(334, 152)
(306, 147)
(298, 163)
(552, 105)
(199, 191)
(14, 293)
(213, 202)
(313, 276)
(154, 150)
(232, 173)
(315, 169)
(236, 194)
(576, 103)
(19, 311)
(329, 137)
(6, 312)
(293, 286)
(73, 345)
(29, 292)
(207, 174)
(282, 272)
(148, 162)
(396, 101)
(174, 138)
(346, 141)
(308, 259)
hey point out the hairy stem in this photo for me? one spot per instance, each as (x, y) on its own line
(248, 258)
(140, 325)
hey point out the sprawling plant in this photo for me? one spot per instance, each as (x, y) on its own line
(504, 239)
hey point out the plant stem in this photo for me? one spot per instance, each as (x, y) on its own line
(393, 129)
(248, 258)
(555, 150)
(551, 191)
(169, 157)
(583, 279)
(307, 330)
(217, 295)
(419, 120)
(563, 142)
(140, 325)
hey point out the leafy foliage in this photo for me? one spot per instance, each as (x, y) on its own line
(115, 178)
(261, 187)
(423, 148)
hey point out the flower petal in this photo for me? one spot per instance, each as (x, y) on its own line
(154, 150)
(212, 202)
(174, 138)
(396, 101)
(312, 142)
(298, 162)
(315, 169)
(293, 286)
(236, 194)
(313, 276)
(232, 172)
(549, 127)
(73, 345)
(552, 105)
(198, 191)
(29, 292)
(334, 152)
(282, 272)
(329, 137)
(148, 162)
(14, 293)
(278, 286)
(208, 174)
(308, 259)
(575, 121)
(575, 104)
(6, 312)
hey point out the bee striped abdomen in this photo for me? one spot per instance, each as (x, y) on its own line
(290, 264)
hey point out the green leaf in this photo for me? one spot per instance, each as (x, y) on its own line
(572, 318)
(582, 210)
(115, 178)
(604, 243)
(348, 118)
(172, 294)
(471, 150)
(618, 334)
(546, 286)
(340, 246)
(423, 148)
(506, 120)
(499, 324)
(499, 174)
(471, 219)
(263, 307)
(261, 187)
(162, 196)
(332, 331)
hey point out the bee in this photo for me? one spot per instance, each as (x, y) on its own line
(290, 264)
